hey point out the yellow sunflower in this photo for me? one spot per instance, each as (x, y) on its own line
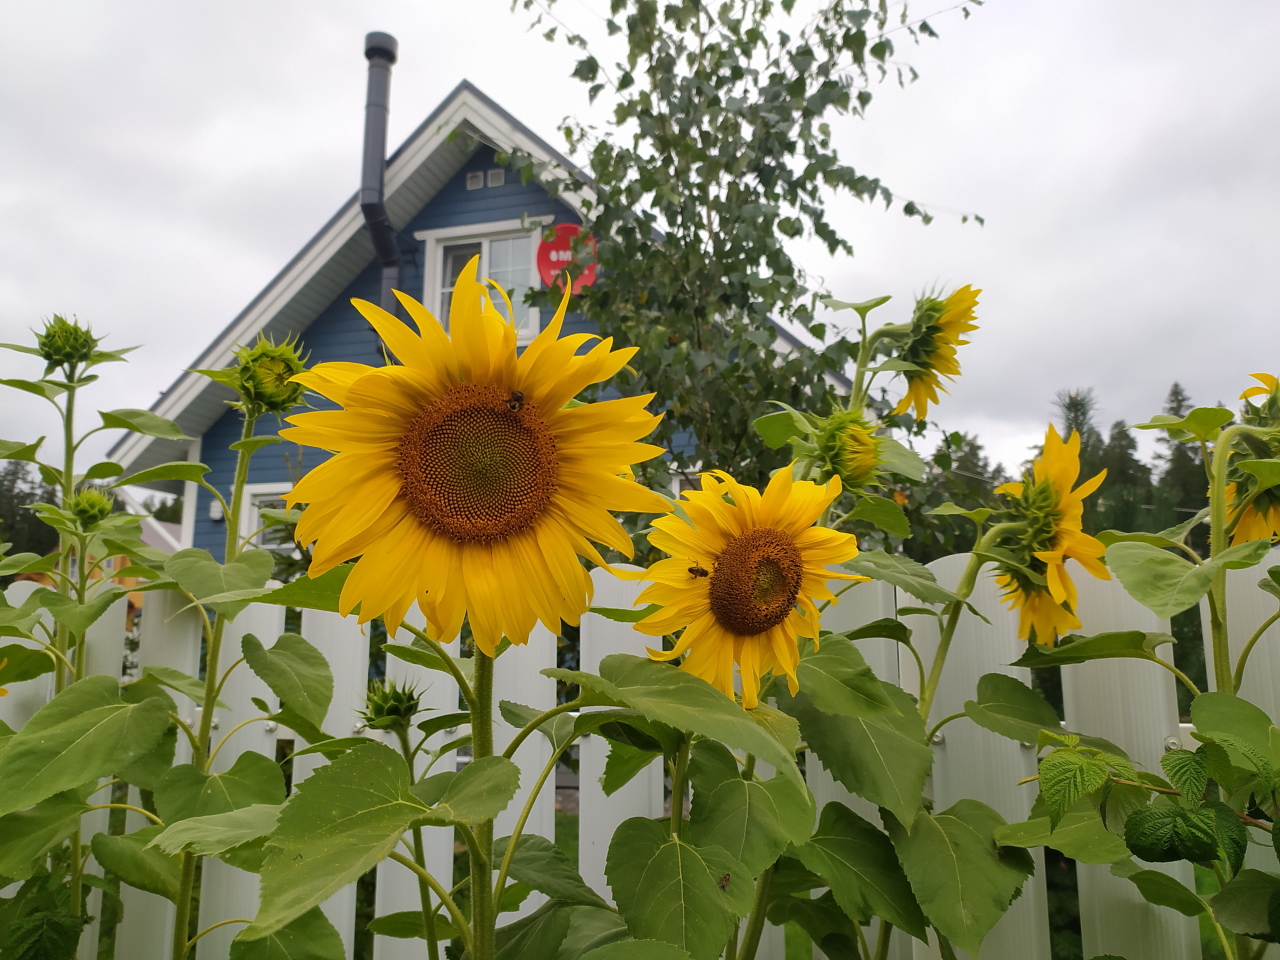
(1256, 515)
(936, 328)
(1051, 511)
(744, 573)
(461, 479)
(850, 449)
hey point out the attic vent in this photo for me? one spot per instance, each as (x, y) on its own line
(497, 178)
(475, 180)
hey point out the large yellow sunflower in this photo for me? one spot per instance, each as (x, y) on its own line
(936, 328)
(742, 578)
(461, 479)
(1255, 515)
(1051, 512)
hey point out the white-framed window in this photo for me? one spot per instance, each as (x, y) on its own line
(507, 251)
(259, 497)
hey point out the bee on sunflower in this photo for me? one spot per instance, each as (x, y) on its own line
(935, 333)
(1050, 513)
(462, 478)
(745, 572)
(1254, 514)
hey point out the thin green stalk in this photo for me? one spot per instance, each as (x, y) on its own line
(882, 940)
(536, 722)
(1186, 681)
(864, 948)
(237, 492)
(420, 857)
(516, 831)
(464, 931)
(679, 773)
(755, 921)
(182, 915)
(455, 671)
(127, 806)
(942, 723)
(1248, 647)
(483, 912)
(214, 926)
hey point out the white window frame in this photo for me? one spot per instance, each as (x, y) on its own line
(434, 242)
(250, 510)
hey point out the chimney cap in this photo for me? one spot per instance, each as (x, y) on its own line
(378, 45)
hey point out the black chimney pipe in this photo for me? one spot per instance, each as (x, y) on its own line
(380, 50)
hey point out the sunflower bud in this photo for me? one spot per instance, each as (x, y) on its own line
(64, 343)
(850, 449)
(91, 506)
(391, 707)
(264, 377)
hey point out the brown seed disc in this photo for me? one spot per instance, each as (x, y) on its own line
(478, 465)
(756, 581)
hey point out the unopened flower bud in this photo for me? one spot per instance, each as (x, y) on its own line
(91, 506)
(266, 372)
(390, 706)
(64, 342)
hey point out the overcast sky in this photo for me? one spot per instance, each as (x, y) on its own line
(160, 162)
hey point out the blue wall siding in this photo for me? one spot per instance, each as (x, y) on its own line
(340, 333)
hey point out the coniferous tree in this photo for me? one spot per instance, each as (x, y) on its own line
(1182, 488)
(1125, 500)
(18, 525)
(958, 472)
(1076, 410)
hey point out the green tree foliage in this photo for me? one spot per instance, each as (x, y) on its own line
(958, 472)
(720, 149)
(18, 525)
(1181, 487)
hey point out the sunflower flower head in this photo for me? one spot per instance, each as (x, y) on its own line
(1038, 585)
(850, 449)
(91, 506)
(264, 376)
(463, 478)
(936, 329)
(743, 578)
(391, 706)
(1254, 511)
(64, 343)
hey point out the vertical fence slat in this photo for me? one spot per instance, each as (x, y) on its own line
(598, 815)
(1133, 704)
(397, 887)
(226, 892)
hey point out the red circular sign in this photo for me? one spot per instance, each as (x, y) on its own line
(556, 254)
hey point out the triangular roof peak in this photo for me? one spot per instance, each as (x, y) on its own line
(323, 268)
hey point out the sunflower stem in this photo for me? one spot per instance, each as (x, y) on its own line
(1248, 647)
(755, 922)
(679, 772)
(1223, 678)
(480, 847)
(883, 939)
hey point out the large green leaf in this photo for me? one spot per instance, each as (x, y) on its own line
(669, 695)
(184, 792)
(1066, 778)
(903, 572)
(963, 882)
(320, 593)
(1162, 582)
(479, 791)
(295, 671)
(623, 764)
(84, 733)
(776, 429)
(822, 919)
(837, 680)
(407, 925)
(184, 683)
(1123, 644)
(543, 866)
(340, 822)
(1165, 832)
(26, 836)
(1223, 713)
(308, 937)
(1202, 423)
(753, 821)
(535, 937)
(592, 927)
(1160, 889)
(881, 758)
(672, 891)
(637, 950)
(18, 663)
(174, 470)
(883, 513)
(1243, 905)
(860, 864)
(1007, 706)
(144, 422)
(79, 617)
(139, 865)
(202, 576)
(219, 832)
(1080, 835)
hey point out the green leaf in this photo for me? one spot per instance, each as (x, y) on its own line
(862, 309)
(1007, 706)
(777, 429)
(132, 860)
(254, 444)
(145, 772)
(84, 733)
(542, 865)
(1187, 771)
(1202, 423)
(309, 937)
(1123, 644)
(1267, 472)
(962, 881)
(590, 928)
(322, 593)
(623, 764)
(295, 671)
(78, 617)
(184, 683)
(19, 563)
(480, 791)
(881, 758)
(1066, 778)
(39, 388)
(903, 572)
(860, 864)
(1163, 583)
(978, 516)
(883, 513)
(184, 792)
(407, 925)
(1242, 906)
(183, 470)
(637, 950)
(1160, 889)
(19, 663)
(26, 836)
(669, 695)
(203, 577)
(753, 822)
(332, 747)
(103, 470)
(669, 890)
(1164, 832)
(339, 823)
(144, 422)
(219, 832)
(900, 459)
(886, 627)
(17, 450)
(838, 681)
(623, 614)
(1221, 713)
(535, 937)
(1080, 835)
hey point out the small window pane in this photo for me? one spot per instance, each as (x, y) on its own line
(509, 267)
(455, 259)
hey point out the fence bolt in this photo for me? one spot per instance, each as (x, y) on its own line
(1172, 743)
(1026, 744)
(214, 724)
(939, 738)
(358, 728)
(271, 726)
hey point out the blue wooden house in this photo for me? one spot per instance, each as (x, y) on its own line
(448, 200)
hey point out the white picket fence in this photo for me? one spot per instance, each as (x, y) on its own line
(1130, 702)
